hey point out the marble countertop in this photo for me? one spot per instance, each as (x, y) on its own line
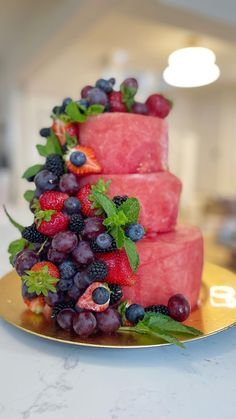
(40, 379)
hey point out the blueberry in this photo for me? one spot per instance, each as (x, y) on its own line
(135, 232)
(56, 110)
(105, 85)
(78, 158)
(67, 269)
(72, 205)
(100, 295)
(65, 102)
(46, 181)
(45, 132)
(83, 102)
(134, 313)
(104, 241)
(65, 284)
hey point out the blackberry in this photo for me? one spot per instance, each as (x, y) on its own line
(55, 164)
(160, 308)
(96, 249)
(116, 294)
(118, 200)
(32, 235)
(60, 306)
(76, 223)
(97, 270)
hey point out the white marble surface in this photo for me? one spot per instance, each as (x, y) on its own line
(40, 379)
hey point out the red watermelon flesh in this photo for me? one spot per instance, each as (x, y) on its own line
(170, 263)
(127, 143)
(158, 194)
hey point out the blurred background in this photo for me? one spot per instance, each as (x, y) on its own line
(52, 48)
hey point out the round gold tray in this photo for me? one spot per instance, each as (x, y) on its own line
(216, 312)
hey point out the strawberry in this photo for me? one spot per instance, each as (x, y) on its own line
(89, 164)
(36, 305)
(115, 102)
(60, 129)
(52, 224)
(52, 200)
(158, 105)
(83, 196)
(52, 269)
(47, 312)
(86, 301)
(119, 270)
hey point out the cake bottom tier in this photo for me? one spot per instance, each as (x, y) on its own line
(170, 263)
(158, 194)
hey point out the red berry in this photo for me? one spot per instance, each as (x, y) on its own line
(115, 101)
(119, 270)
(58, 222)
(179, 308)
(91, 164)
(36, 305)
(60, 129)
(52, 200)
(86, 301)
(158, 105)
(52, 269)
(83, 196)
(85, 90)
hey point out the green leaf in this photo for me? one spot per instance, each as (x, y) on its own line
(28, 195)
(166, 323)
(127, 96)
(132, 254)
(119, 236)
(71, 141)
(13, 222)
(73, 111)
(116, 220)
(101, 186)
(43, 216)
(106, 203)
(40, 282)
(131, 209)
(52, 146)
(42, 150)
(32, 171)
(95, 110)
(15, 247)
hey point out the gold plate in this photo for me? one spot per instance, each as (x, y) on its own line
(216, 312)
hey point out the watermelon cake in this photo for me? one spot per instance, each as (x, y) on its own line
(103, 253)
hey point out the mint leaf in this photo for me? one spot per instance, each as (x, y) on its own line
(52, 146)
(166, 323)
(28, 195)
(101, 186)
(71, 141)
(127, 94)
(40, 282)
(116, 220)
(15, 247)
(32, 171)
(106, 203)
(119, 236)
(132, 254)
(131, 209)
(95, 110)
(41, 150)
(73, 111)
(13, 222)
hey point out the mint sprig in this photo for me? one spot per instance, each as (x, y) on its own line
(52, 146)
(40, 282)
(17, 246)
(29, 195)
(32, 171)
(12, 221)
(79, 113)
(127, 94)
(162, 326)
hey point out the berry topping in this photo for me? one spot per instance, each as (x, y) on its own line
(72, 205)
(104, 241)
(52, 200)
(32, 235)
(65, 284)
(134, 313)
(61, 128)
(45, 132)
(179, 308)
(93, 226)
(116, 294)
(100, 295)
(83, 196)
(67, 269)
(56, 222)
(116, 104)
(159, 308)
(135, 232)
(82, 281)
(108, 321)
(41, 278)
(119, 200)
(25, 293)
(65, 318)
(82, 160)
(69, 184)
(106, 85)
(76, 223)
(97, 96)
(61, 306)
(87, 302)
(56, 257)
(46, 180)
(85, 90)
(119, 270)
(51, 268)
(64, 242)
(84, 324)
(36, 305)
(96, 247)
(139, 108)
(55, 164)
(158, 105)
(83, 254)
(24, 261)
(53, 298)
(98, 270)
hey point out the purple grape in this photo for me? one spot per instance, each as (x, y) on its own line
(83, 254)
(25, 293)
(65, 241)
(74, 293)
(69, 184)
(56, 257)
(108, 321)
(67, 269)
(85, 90)
(131, 83)
(65, 318)
(46, 181)
(25, 260)
(179, 308)
(53, 298)
(65, 284)
(140, 108)
(84, 324)
(37, 193)
(72, 205)
(82, 281)
(93, 227)
(97, 96)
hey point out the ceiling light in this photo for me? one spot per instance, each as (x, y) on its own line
(191, 67)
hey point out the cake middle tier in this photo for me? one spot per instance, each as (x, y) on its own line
(158, 195)
(127, 143)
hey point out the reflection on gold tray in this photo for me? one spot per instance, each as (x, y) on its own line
(216, 312)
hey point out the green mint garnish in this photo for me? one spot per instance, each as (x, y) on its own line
(17, 246)
(79, 113)
(128, 94)
(52, 146)
(94, 110)
(163, 327)
(32, 171)
(40, 282)
(43, 216)
(71, 141)
(29, 195)
(13, 222)
(132, 253)
(131, 209)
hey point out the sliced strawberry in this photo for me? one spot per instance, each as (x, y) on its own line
(58, 222)
(91, 164)
(83, 196)
(86, 302)
(36, 305)
(52, 269)
(119, 270)
(60, 129)
(52, 200)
